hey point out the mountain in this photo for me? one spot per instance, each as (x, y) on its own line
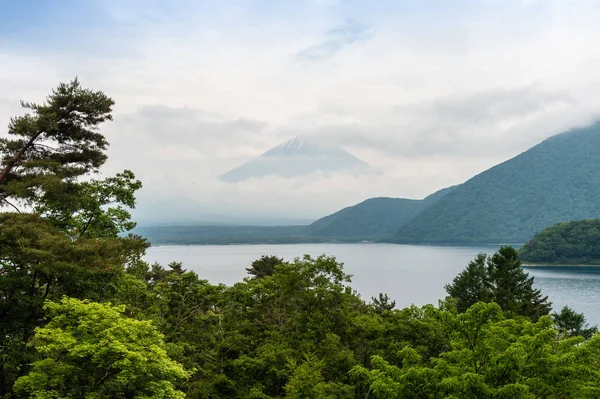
(557, 180)
(566, 243)
(224, 235)
(373, 218)
(296, 157)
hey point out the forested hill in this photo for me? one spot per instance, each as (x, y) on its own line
(557, 180)
(373, 218)
(575, 242)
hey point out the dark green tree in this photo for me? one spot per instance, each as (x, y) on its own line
(265, 266)
(73, 244)
(499, 278)
(472, 285)
(512, 287)
(383, 303)
(572, 324)
(53, 144)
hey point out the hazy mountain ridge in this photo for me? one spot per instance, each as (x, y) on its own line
(297, 157)
(556, 180)
(372, 219)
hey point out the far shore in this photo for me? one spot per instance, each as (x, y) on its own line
(560, 265)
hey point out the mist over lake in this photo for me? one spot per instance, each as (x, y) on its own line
(409, 274)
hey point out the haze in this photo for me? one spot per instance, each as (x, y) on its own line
(427, 94)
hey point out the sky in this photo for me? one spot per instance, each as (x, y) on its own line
(430, 93)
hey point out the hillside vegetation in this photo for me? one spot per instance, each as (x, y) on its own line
(576, 242)
(372, 219)
(554, 181)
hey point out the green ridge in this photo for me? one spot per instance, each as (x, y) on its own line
(557, 180)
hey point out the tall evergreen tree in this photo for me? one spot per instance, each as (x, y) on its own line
(513, 287)
(472, 285)
(265, 266)
(53, 144)
(499, 278)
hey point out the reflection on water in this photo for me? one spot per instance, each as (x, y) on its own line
(575, 286)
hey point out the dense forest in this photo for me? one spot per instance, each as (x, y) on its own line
(83, 316)
(555, 181)
(566, 243)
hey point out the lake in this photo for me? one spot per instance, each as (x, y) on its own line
(409, 274)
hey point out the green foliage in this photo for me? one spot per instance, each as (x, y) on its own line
(472, 285)
(573, 324)
(55, 143)
(307, 382)
(40, 262)
(91, 350)
(289, 330)
(72, 244)
(383, 303)
(557, 180)
(499, 278)
(565, 243)
(490, 357)
(265, 266)
(100, 210)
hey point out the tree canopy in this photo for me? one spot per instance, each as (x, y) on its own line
(566, 243)
(92, 350)
(72, 241)
(501, 279)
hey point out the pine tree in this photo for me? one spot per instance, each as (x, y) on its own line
(501, 279)
(472, 285)
(513, 287)
(52, 145)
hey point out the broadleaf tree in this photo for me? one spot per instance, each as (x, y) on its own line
(90, 349)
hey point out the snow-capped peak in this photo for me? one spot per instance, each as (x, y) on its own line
(295, 157)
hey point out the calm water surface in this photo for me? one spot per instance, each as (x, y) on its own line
(409, 274)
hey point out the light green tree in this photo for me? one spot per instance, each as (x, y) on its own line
(91, 350)
(490, 357)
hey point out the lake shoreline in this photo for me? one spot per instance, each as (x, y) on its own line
(523, 264)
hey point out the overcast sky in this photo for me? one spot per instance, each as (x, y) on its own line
(430, 93)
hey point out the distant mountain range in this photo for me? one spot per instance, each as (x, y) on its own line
(557, 180)
(372, 220)
(297, 157)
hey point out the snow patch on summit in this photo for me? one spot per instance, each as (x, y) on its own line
(297, 157)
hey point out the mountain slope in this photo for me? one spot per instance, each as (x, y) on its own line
(557, 180)
(297, 157)
(373, 218)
